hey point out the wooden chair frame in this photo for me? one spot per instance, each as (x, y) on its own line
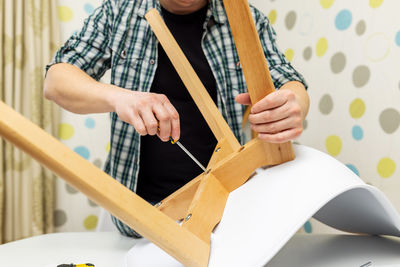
(201, 202)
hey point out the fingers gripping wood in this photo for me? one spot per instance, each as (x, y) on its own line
(252, 59)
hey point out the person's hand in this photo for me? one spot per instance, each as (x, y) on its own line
(149, 113)
(277, 118)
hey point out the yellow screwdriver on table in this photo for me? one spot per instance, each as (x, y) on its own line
(75, 265)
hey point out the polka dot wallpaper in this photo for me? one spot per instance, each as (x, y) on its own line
(86, 135)
(347, 50)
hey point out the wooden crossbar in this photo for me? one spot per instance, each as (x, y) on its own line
(103, 189)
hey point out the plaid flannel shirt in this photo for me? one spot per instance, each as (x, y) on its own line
(117, 37)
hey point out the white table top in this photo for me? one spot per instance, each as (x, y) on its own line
(338, 251)
(107, 249)
(103, 249)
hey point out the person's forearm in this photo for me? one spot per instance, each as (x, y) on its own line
(148, 113)
(301, 94)
(75, 91)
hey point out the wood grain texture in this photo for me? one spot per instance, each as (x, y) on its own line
(177, 204)
(235, 169)
(204, 102)
(103, 189)
(248, 46)
(207, 208)
(254, 64)
(221, 151)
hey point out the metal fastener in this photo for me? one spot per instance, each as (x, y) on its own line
(367, 264)
(123, 54)
(208, 171)
(152, 61)
(188, 217)
(218, 149)
(158, 204)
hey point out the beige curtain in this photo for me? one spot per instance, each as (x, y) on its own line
(29, 35)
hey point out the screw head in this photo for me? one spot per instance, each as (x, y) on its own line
(158, 204)
(188, 217)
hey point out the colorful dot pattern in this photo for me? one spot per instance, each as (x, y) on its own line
(65, 13)
(357, 108)
(397, 38)
(87, 135)
(308, 227)
(272, 16)
(326, 3)
(348, 52)
(65, 131)
(357, 132)
(321, 47)
(343, 20)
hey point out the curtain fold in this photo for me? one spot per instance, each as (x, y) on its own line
(29, 35)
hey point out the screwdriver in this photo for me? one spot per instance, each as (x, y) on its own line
(187, 152)
(184, 150)
(75, 265)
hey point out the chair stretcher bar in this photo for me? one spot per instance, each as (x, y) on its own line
(103, 189)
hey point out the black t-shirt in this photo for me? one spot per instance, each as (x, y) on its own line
(164, 167)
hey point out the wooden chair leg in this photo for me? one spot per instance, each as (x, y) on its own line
(103, 189)
(192, 82)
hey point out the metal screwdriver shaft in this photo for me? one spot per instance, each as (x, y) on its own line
(188, 153)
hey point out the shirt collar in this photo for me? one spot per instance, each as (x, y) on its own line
(144, 6)
(216, 7)
(218, 11)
